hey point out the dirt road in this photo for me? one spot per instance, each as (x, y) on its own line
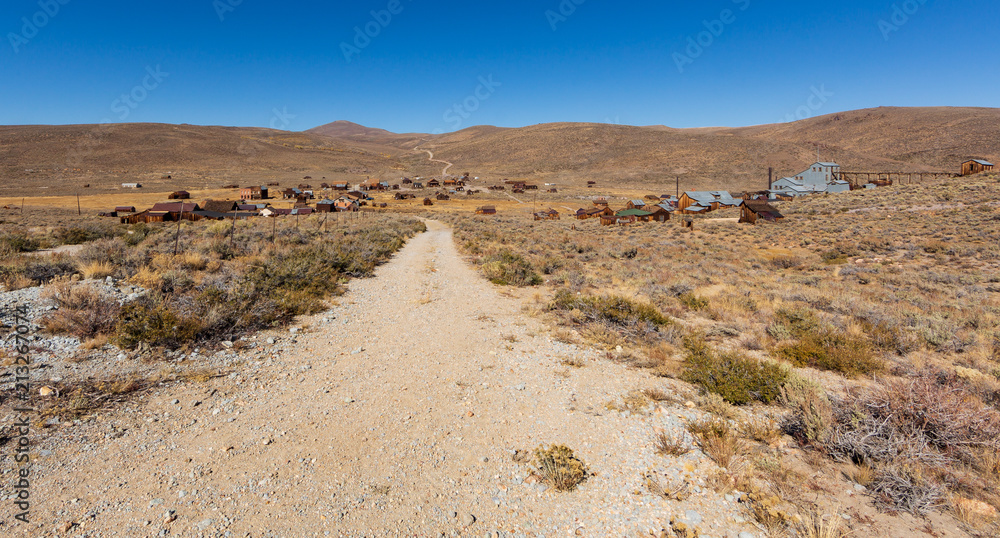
(431, 158)
(395, 413)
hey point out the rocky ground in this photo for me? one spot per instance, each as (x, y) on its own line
(399, 412)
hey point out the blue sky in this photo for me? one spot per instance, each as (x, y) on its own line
(449, 65)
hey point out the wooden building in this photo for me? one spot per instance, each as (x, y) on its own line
(179, 195)
(256, 192)
(428, 201)
(220, 206)
(486, 210)
(125, 209)
(753, 210)
(550, 214)
(976, 166)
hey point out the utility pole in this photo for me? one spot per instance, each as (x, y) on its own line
(22, 206)
(78, 211)
(177, 238)
(678, 187)
(232, 232)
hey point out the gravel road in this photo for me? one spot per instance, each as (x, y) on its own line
(396, 413)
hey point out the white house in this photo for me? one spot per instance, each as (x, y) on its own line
(819, 178)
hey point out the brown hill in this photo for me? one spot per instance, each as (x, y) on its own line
(63, 158)
(60, 159)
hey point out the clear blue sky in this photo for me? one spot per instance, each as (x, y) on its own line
(282, 64)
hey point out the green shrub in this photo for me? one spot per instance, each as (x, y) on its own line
(738, 379)
(812, 412)
(14, 243)
(831, 350)
(506, 268)
(148, 321)
(692, 301)
(610, 309)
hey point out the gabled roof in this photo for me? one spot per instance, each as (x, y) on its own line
(175, 207)
(666, 207)
(835, 165)
(633, 213)
(763, 209)
(709, 197)
(220, 206)
(980, 161)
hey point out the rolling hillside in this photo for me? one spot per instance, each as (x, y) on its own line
(60, 159)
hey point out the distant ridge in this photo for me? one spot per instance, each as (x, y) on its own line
(932, 139)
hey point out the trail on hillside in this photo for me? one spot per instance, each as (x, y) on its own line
(397, 412)
(431, 158)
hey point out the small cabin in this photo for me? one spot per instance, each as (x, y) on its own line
(753, 210)
(486, 210)
(179, 195)
(551, 214)
(976, 166)
(428, 201)
(125, 209)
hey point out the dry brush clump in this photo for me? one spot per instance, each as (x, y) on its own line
(923, 436)
(738, 379)
(214, 289)
(82, 311)
(558, 466)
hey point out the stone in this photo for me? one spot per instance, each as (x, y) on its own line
(270, 341)
(746, 534)
(47, 391)
(692, 517)
(468, 519)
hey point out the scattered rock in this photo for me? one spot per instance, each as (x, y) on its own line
(468, 519)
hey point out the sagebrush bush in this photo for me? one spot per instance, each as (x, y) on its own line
(152, 322)
(507, 268)
(829, 349)
(737, 378)
(83, 311)
(812, 414)
(612, 309)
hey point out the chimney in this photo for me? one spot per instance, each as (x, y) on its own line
(770, 178)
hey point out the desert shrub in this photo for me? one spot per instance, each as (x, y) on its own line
(798, 322)
(558, 467)
(45, 270)
(737, 378)
(611, 309)
(812, 414)
(828, 349)
(15, 243)
(717, 439)
(507, 268)
(916, 433)
(97, 270)
(907, 487)
(671, 444)
(151, 321)
(692, 301)
(84, 312)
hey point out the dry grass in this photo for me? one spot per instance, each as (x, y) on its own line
(718, 440)
(97, 270)
(674, 444)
